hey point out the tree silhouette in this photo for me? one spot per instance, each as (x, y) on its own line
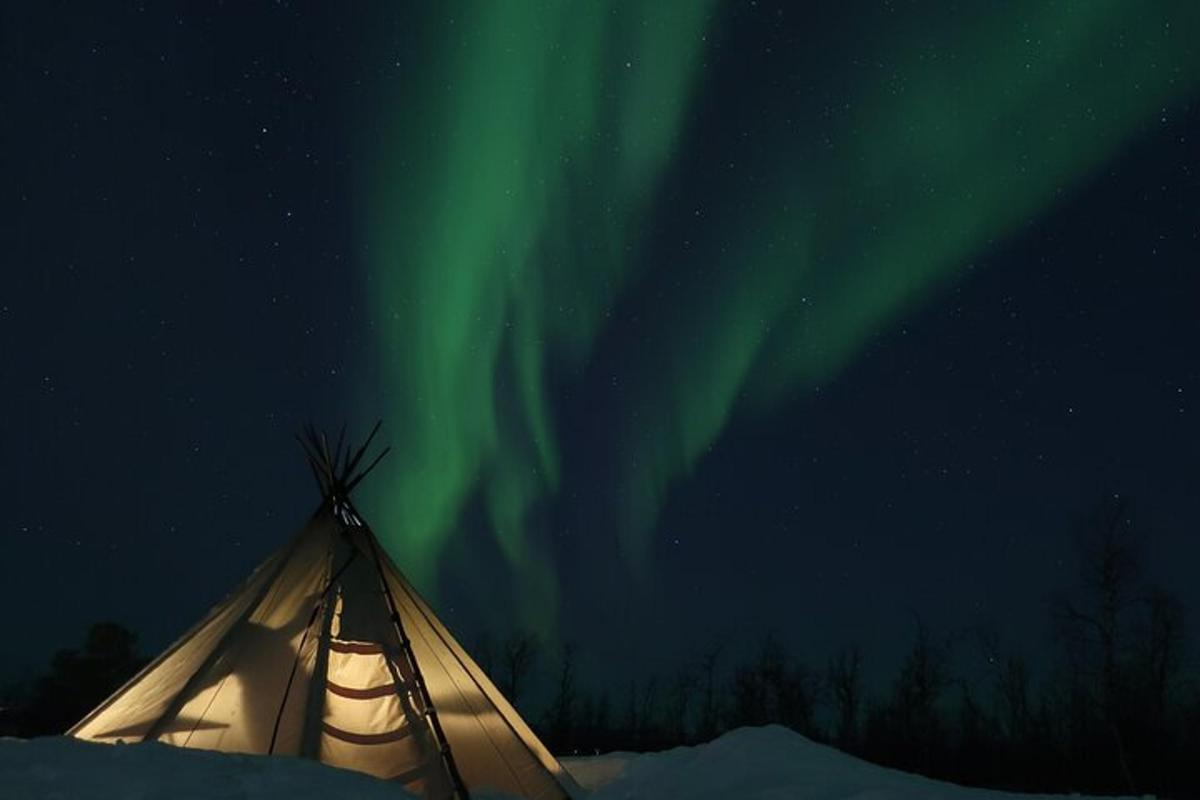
(844, 675)
(80, 679)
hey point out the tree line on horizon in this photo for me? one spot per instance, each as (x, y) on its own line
(1115, 709)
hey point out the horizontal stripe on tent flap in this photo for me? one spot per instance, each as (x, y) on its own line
(355, 648)
(370, 693)
(367, 738)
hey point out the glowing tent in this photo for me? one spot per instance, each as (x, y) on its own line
(327, 652)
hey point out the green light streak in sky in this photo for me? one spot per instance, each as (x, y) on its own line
(503, 217)
(509, 192)
(964, 138)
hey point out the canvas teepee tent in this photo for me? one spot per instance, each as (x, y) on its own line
(327, 652)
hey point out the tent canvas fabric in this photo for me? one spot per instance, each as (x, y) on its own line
(327, 652)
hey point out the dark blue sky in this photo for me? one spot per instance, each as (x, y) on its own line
(182, 289)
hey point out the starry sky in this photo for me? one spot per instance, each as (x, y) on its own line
(687, 321)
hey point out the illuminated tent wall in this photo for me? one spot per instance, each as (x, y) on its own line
(327, 652)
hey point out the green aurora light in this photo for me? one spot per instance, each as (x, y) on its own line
(501, 236)
(514, 183)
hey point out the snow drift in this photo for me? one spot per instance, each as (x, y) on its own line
(767, 763)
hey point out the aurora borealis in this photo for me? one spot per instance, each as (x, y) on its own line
(686, 320)
(512, 200)
(498, 245)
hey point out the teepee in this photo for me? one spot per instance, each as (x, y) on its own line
(327, 652)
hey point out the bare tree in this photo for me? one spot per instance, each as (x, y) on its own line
(678, 704)
(916, 695)
(647, 706)
(1161, 649)
(755, 685)
(710, 710)
(1012, 695)
(562, 709)
(1109, 568)
(844, 675)
(518, 658)
(796, 698)
(1094, 628)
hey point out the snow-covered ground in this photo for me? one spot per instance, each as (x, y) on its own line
(747, 764)
(56, 768)
(768, 763)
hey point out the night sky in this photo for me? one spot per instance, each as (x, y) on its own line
(687, 322)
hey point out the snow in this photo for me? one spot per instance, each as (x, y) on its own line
(747, 764)
(760, 764)
(58, 767)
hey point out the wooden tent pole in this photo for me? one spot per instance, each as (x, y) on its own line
(460, 788)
